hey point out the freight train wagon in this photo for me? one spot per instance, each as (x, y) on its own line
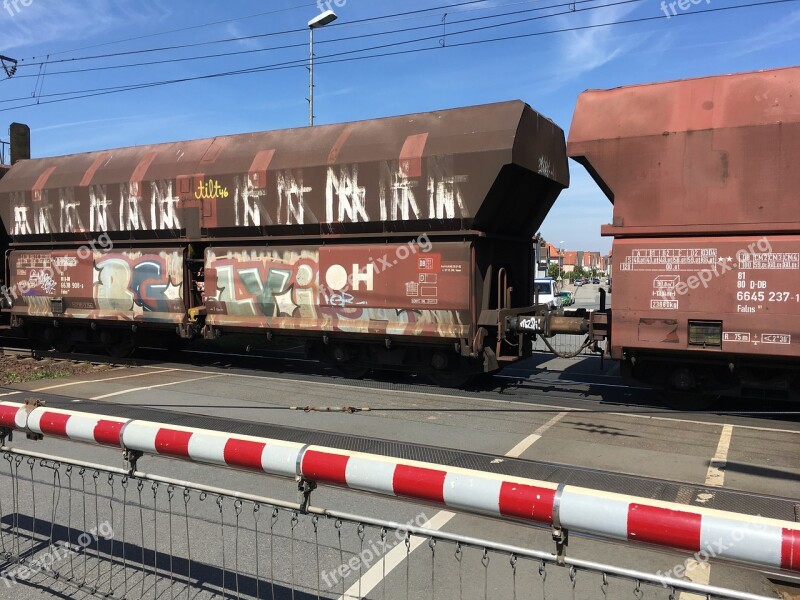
(3, 249)
(703, 175)
(397, 243)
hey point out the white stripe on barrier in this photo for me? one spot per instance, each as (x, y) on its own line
(208, 448)
(594, 511)
(81, 428)
(280, 458)
(754, 542)
(21, 418)
(471, 493)
(140, 436)
(370, 475)
(33, 419)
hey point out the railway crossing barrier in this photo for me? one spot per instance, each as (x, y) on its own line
(120, 530)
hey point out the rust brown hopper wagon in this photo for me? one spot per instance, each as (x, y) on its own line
(704, 180)
(400, 243)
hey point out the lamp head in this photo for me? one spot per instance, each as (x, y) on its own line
(322, 19)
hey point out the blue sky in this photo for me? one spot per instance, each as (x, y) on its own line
(547, 71)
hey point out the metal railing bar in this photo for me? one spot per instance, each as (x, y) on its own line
(217, 491)
(458, 539)
(546, 556)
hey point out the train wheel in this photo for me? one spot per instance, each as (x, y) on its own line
(451, 379)
(120, 350)
(63, 346)
(687, 401)
(352, 371)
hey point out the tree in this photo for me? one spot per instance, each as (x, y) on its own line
(553, 270)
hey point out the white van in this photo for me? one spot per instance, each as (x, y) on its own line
(546, 290)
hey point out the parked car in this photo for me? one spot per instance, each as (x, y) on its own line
(578, 282)
(545, 292)
(596, 281)
(566, 298)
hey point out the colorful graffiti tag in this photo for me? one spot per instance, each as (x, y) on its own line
(121, 285)
(339, 288)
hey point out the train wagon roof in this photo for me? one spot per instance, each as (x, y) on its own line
(712, 154)
(497, 168)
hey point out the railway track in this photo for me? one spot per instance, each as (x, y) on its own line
(516, 390)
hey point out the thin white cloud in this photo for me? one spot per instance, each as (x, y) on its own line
(234, 31)
(74, 124)
(782, 31)
(50, 21)
(588, 49)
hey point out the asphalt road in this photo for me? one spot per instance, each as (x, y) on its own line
(566, 411)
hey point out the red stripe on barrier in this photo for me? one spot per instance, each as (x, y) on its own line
(790, 549)
(527, 502)
(244, 453)
(7, 416)
(416, 482)
(173, 442)
(108, 432)
(325, 467)
(663, 526)
(54, 423)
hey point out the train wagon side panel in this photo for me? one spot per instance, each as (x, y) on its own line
(381, 289)
(731, 296)
(119, 285)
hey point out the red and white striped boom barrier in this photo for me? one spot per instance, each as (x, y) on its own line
(711, 533)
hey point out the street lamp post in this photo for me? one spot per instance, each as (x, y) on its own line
(561, 261)
(319, 21)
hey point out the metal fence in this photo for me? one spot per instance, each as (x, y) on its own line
(74, 528)
(564, 345)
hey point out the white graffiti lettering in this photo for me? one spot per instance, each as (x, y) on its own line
(351, 197)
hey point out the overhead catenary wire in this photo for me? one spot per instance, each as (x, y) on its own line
(571, 4)
(182, 29)
(275, 33)
(302, 63)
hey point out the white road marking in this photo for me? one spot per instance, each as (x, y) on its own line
(716, 470)
(150, 387)
(700, 572)
(10, 394)
(71, 383)
(696, 572)
(529, 441)
(395, 557)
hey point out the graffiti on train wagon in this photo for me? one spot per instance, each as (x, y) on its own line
(349, 193)
(118, 285)
(138, 283)
(281, 288)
